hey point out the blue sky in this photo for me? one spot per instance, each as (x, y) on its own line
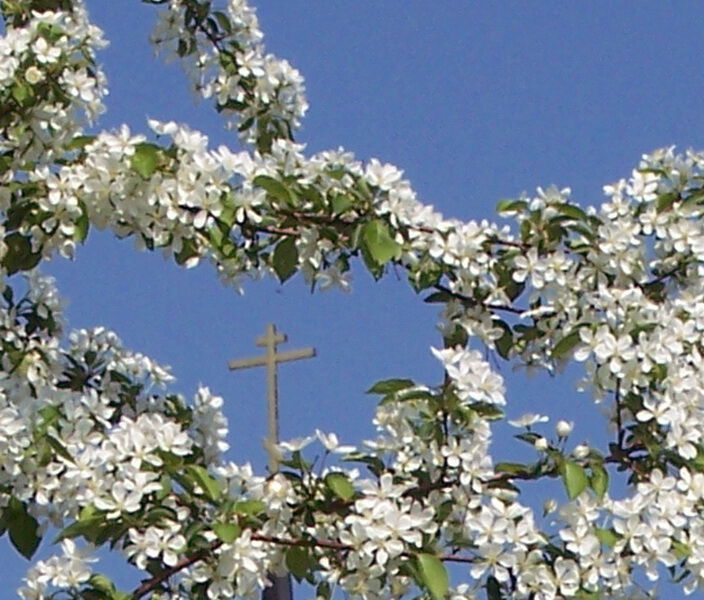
(476, 102)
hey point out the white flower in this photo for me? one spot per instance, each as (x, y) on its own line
(383, 176)
(528, 420)
(122, 498)
(80, 85)
(296, 444)
(45, 53)
(332, 443)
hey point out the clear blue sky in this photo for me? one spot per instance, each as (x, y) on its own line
(475, 101)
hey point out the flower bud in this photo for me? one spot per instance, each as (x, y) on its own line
(541, 444)
(564, 428)
(581, 451)
(549, 506)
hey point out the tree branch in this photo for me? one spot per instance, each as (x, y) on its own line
(473, 302)
(149, 585)
(619, 424)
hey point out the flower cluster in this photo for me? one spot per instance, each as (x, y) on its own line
(223, 54)
(92, 444)
(49, 82)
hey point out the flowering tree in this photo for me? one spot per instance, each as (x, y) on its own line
(93, 446)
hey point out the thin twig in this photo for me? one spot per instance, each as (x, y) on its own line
(473, 302)
(619, 423)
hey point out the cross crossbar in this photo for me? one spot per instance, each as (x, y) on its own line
(270, 340)
(279, 357)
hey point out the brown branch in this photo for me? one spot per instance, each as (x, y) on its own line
(149, 585)
(519, 245)
(274, 230)
(473, 302)
(662, 277)
(310, 543)
(330, 219)
(304, 543)
(619, 423)
(624, 458)
(457, 559)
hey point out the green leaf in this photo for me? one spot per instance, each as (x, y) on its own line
(165, 489)
(80, 142)
(415, 393)
(188, 250)
(505, 342)
(487, 411)
(378, 242)
(323, 591)
(565, 345)
(248, 508)
(509, 206)
(22, 93)
(608, 537)
(512, 468)
(89, 594)
(665, 201)
(340, 485)
(101, 583)
(599, 481)
(23, 529)
(82, 225)
(185, 47)
(681, 549)
(571, 211)
(389, 386)
(433, 575)
(227, 532)
(374, 464)
(223, 21)
(457, 336)
(276, 189)
(210, 486)
(146, 159)
(19, 255)
(59, 448)
(438, 297)
(87, 525)
(285, 258)
(299, 562)
(493, 589)
(340, 203)
(574, 478)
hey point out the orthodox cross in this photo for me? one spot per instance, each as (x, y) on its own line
(280, 588)
(270, 340)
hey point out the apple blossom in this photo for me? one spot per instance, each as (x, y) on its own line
(93, 443)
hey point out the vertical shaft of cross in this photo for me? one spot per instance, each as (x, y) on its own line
(280, 588)
(270, 340)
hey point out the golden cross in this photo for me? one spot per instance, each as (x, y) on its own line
(270, 340)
